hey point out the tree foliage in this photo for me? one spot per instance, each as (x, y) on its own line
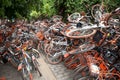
(47, 8)
(17, 8)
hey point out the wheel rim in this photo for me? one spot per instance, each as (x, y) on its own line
(78, 33)
(83, 48)
(36, 53)
(73, 17)
(96, 13)
(114, 20)
(52, 60)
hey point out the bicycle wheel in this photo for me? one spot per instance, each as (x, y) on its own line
(36, 53)
(83, 48)
(81, 72)
(36, 66)
(54, 60)
(58, 43)
(56, 18)
(96, 12)
(87, 78)
(79, 33)
(73, 64)
(40, 46)
(67, 59)
(114, 20)
(73, 17)
(56, 47)
(52, 47)
(26, 74)
(47, 49)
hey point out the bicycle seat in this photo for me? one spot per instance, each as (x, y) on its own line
(79, 25)
(98, 36)
(116, 10)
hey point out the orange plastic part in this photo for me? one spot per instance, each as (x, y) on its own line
(40, 35)
(103, 67)
(2, 78)
(31, 76)
(66, 55)
(1, 38)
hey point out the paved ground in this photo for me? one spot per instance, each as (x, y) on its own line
(6, 70)
(10, 73)
(59, 70)
(49, 72)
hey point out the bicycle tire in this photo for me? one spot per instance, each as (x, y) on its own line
(26, 75)
(93, 13)
(81, 68)
(71, 61)
(76, 68)
(77, 59)
(36, 53)
(36, 64)
(48, 36)
(87, 78)
(20, 24)
(83, 48)
(73, 65)
(57, 18)
(57, 47)
(40, 46)
(73, 17)
(90, 32)
(58, 59)
(46, 49)
(49, 49)
(68, 58)
(112, 20)
(76, 74)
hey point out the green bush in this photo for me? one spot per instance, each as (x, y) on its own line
(47, 8)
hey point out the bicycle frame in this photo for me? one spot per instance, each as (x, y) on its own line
(25, 65)
(98, 67)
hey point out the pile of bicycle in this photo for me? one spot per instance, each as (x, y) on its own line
(90, 48)
(16, 47)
